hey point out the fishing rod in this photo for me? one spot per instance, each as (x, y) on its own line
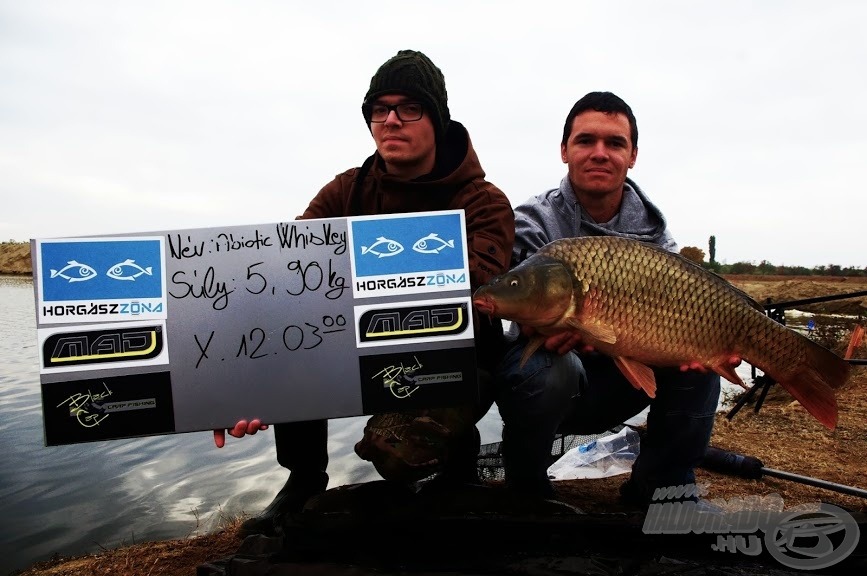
(725, 462)
(792, 303)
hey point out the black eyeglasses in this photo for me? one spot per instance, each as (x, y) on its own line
(406, 111)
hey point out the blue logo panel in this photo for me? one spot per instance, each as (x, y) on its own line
(407, 245)
(101, 269)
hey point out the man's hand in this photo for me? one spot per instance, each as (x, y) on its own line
(241, 429)
(560, 343)
(734, 362)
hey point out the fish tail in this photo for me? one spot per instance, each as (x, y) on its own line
(814, 380)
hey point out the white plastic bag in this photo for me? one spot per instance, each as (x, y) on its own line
(607, 456)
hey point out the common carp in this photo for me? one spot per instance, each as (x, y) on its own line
(644, 306)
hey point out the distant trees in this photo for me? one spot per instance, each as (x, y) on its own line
(693, 253)
(764, 267)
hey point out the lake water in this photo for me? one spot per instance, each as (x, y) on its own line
(81, 498)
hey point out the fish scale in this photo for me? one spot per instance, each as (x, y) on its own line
(644, 306)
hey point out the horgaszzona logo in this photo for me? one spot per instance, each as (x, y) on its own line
(93, 309)
(806, 537)
(101, 346)
(425, 280)
(413, 322)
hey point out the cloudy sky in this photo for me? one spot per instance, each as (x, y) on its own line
(121, 117)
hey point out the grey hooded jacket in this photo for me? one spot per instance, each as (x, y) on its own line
(556, 214)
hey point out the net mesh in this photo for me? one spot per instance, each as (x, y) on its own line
(490, 460)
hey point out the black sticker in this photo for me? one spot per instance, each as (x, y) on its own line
(420, 321)
(119, 344)
(421, 379)
(107, 408)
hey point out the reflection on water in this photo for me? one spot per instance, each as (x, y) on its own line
(83, 497)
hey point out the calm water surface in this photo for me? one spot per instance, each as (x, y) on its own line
(80, 498)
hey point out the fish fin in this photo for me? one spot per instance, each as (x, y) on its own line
(534, 344)
(727, 371)
(815, 396)
(639, 375)
(602, 332)
(814, 383)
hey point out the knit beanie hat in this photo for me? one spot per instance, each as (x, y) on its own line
(412, 73)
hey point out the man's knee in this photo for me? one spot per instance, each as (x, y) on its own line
(691, 392)
(546, 381)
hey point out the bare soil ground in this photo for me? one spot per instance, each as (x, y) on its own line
(782, 435)
(15, 258)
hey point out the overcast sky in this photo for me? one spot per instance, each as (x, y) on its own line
(120, 117)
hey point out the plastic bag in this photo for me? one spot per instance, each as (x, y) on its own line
(607, 456)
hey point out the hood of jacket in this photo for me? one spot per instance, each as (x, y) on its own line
(638, 217)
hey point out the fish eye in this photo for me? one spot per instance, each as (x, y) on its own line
(513, 282)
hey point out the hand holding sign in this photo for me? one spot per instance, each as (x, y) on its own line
(241, 429)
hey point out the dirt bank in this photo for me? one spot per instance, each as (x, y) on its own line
(15, 258)
(775, 289)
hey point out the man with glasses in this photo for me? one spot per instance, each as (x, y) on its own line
(424, 161)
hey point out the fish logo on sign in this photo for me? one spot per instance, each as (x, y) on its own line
(84, 273)
(383, 248)
(432, 244)
(379, 244)
(116, 271)
(132, 269)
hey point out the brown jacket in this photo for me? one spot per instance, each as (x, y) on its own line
(456, 182)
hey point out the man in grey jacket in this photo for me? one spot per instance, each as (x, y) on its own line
(565, 388)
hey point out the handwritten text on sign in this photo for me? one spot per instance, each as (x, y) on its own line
(275, 321)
